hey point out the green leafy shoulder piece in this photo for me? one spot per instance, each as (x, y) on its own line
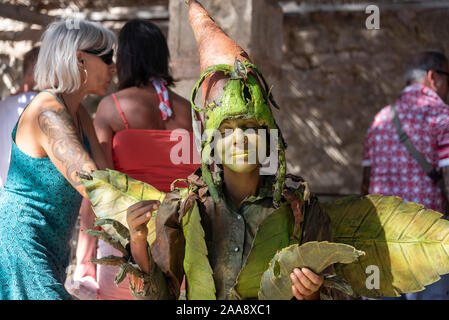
(199, 274)
(112, 192)
(406, 245)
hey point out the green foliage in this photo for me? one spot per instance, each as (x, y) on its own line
(408, 243)
(199, 274)
(110, 261)
(111, 193)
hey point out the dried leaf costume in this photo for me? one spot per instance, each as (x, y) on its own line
(248, 253)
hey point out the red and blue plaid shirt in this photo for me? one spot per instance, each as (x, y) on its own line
(425, 119)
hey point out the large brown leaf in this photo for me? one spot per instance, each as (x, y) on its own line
(406, 243)
(316, 256)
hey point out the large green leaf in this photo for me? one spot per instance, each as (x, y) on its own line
(272, 235)
(199, 274)
(316, 256)
(112, 192)
(406, 243)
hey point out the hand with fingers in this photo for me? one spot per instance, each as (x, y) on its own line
(137, 218)
(306, 284)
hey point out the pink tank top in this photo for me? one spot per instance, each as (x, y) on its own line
(153, 156)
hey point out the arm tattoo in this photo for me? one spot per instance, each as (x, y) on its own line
(65, 144)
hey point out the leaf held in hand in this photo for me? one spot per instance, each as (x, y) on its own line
(112, 192)
(316, 256)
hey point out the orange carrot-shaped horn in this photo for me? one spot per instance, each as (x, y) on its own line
(214, 45)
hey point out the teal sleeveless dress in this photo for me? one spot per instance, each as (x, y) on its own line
(38, 212)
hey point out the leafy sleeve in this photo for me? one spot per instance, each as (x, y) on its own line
(167, 252)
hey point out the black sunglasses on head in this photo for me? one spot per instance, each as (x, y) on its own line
(107, 57)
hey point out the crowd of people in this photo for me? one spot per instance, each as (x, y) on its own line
(47, 137)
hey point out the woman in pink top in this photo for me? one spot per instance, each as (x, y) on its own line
(134, 127)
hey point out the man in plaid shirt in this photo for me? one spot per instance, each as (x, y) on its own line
(389, 169)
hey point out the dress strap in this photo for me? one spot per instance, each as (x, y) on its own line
(55, 96)
(162, 93)
(122, 115)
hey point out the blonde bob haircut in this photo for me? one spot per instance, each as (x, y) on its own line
(57, 64)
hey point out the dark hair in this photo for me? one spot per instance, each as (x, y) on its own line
(423, 62)
(142, 53)
(29, 60)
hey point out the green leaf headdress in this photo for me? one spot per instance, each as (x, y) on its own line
(240, 96)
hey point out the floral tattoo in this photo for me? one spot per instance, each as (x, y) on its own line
(65, 144)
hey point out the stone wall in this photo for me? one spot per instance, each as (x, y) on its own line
(336, 76)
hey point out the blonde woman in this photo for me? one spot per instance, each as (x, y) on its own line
(53, 140)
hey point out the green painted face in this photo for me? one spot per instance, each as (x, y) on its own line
(242, 98)
(238, 148)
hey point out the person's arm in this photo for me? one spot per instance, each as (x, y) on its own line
(103, 129)
(58, 136)
(153, 284)
(86, 245)
(137, 218)
(364, 190)
(98, 153)
(441, 131)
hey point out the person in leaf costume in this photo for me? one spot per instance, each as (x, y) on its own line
(230, 211)
(236, 234)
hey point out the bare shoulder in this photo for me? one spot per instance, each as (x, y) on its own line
(134, 97)
(43, 101)
(44, 117)
(43, 109)
(107, 114)
(105, 107)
